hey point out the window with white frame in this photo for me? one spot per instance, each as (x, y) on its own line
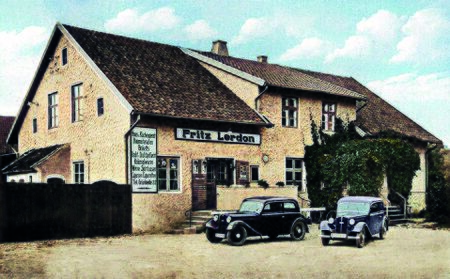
(78, 172)
(294, 167)
(289, 111)
(254, 173)
(168, 174)
(328, 116)
(53, 116)
(77, 103)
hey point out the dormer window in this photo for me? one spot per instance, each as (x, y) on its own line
(64, 56)
(328, 116)
(289, 109)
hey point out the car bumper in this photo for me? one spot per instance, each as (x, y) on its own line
(338, 236)
(220, 235)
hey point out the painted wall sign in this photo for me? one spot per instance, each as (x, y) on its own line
(217, 136)
(143, 152)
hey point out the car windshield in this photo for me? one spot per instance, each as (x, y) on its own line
(350, 209)
(251, 206)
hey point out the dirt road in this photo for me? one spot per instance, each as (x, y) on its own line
(405, 253)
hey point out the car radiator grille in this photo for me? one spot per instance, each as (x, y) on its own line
(341, 224)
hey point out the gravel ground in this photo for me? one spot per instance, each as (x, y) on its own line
(405, 253)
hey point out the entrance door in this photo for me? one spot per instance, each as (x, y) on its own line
(218, 172)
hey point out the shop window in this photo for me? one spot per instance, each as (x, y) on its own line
(289, 111)
(64, 56)
(328, 116)
(77, 103)
(53, 110)
(254, 173)
(34, 125)
(168, 174)
(78, 171)
(294, 172)
(100, 107)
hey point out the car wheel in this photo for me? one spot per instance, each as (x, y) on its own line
(325, 241)
(237, 236)
(211, 236)
(361, 239)
(383, 230)
(298, 230)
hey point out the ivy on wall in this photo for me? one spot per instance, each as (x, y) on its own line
(344, 161)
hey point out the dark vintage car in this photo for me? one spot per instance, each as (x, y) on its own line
(356, 219)
(258, 216)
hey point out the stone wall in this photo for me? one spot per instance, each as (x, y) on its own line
(230, 198)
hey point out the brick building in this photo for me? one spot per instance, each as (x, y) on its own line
(178, 125)
(7, 154)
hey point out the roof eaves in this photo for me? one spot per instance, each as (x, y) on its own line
(96, 69)
(264, 123)
(226, 68)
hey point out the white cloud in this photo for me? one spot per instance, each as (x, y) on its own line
(130, 21)
(414, 87)
(426, 38)
(254, 28)
(308, 48)
(20, 53)
(373, 35)
(199, 30)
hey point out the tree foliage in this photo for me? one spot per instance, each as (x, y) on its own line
(438, 191)
(344, 161)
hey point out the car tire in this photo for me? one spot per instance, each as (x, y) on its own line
(325, 241)
(298, 230)
(211, 236)
(237, 236)
(383, 230)
(361, 238)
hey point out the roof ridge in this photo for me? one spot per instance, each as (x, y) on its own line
(118, 35)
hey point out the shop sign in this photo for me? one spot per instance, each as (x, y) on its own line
(217, 136)
(143, 152)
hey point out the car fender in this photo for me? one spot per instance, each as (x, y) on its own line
(210, 224)
(324, 226)
(359, 227)
(303, 221)
(385, 219)
(233, 224)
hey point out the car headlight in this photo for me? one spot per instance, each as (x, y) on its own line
(216, 218)
(331, 220)
(351, 222)
(228, 219)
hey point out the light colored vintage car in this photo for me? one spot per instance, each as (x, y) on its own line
(357, 218)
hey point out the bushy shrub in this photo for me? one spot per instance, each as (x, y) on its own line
(262, 183)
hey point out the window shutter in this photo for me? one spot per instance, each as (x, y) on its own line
(242, 172)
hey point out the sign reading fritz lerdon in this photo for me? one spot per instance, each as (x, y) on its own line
(217, 136)
(143, 160)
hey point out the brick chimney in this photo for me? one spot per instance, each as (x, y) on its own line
(220, 47)
(262, 59)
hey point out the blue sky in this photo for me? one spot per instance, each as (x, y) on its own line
(399, 49)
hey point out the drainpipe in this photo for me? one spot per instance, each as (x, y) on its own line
(138, 119)
(257, 97)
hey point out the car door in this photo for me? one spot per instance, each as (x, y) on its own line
(272, 217)
(291, 213)
(375, 217)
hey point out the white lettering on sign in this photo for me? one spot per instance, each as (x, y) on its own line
(217, 136)
(143, 160)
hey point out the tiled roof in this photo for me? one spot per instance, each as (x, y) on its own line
(377, 115)
(281, 76)
(24, 164)
(6, 123)
(160, 79)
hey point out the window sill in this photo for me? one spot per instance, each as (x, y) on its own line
(170, 192)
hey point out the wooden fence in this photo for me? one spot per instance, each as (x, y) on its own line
(46, 211)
